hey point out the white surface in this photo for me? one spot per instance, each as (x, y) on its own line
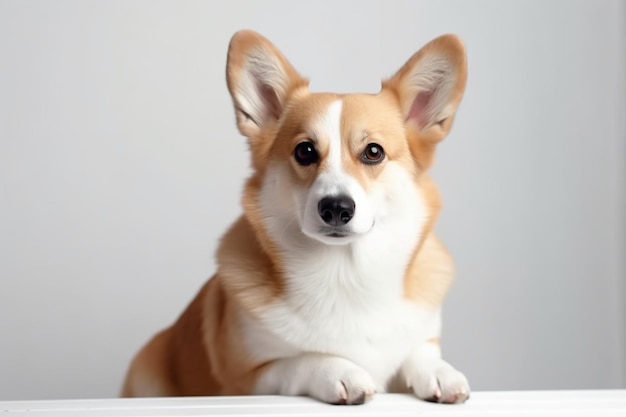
(501, 404)
(120, 167)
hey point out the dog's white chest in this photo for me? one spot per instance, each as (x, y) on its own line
(346, 304)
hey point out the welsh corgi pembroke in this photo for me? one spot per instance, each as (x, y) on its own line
(331, 283)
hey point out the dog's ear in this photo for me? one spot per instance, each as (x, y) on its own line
(429, 87)
(260, 80)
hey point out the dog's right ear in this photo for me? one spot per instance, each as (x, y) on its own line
(260, 81)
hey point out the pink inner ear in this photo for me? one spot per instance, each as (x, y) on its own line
(269, 97)
(419, 108)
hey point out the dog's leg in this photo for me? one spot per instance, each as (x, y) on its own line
(328, 378)
(433, 379)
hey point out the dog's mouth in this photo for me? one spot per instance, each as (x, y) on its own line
(334, 232)
(338, 232)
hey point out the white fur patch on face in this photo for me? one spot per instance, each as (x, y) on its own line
(334, 182)
(329, 126)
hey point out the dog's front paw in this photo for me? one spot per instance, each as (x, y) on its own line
(327, 378)
(344, 384)
(440, 383)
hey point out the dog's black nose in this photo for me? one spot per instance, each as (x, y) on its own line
(336, 211)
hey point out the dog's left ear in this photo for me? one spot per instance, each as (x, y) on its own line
(429, 87)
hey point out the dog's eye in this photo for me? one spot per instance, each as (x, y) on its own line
(305, 153)
(373, 154)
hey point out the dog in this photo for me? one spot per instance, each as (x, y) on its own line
(331, 283)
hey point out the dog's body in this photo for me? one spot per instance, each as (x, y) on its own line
(331, 283)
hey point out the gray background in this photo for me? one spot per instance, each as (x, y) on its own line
(120, 167)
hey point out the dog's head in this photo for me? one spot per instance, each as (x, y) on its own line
(334, 167)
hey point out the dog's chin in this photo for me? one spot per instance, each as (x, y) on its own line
(334, 237)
